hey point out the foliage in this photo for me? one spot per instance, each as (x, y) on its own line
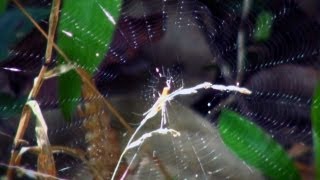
(84, 42)
(69, 92)
(3, 6)
(12, 32)
(255, 147)
(315, 116)
(263, 26)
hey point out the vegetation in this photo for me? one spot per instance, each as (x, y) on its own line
(75, 66)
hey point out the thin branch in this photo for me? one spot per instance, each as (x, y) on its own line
(31, 173)
(241, 54)
(241, 41)
(26, 113)
(83, 76)
(76, 153)
(78, 70)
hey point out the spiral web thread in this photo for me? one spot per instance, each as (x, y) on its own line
(195, 36)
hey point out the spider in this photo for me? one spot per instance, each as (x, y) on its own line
(161, 105)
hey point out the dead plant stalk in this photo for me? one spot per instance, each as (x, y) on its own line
(26, 113)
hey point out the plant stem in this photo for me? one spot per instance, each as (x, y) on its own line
(80, 72)
(26, 113)
(241, 41)
(84, 78)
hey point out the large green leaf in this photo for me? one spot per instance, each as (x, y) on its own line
(14, 26)
(86, 29)
(263, 26)
(255, 147)
(69, 92)
(84, 34)
(10, 106)
(315, 116)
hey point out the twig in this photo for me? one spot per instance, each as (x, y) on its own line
(26, 113)
(82, 74)
(241, 41)
(31, 173)
(241, 53)
(76, 153)
(78, 70)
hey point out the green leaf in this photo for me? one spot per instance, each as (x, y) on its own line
(315, 118)
(3, 6)
(85, 31)
(10, 106)
(263, 26)
(69, 93)
(14, 26)
(250, 143)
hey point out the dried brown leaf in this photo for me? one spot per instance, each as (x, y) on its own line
(46, 162)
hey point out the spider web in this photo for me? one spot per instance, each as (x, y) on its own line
(200, 40)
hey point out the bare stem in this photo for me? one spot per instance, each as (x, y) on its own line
(240, 56)
(24, 121)
(241, 41)
(78, 70)
(26, 113)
